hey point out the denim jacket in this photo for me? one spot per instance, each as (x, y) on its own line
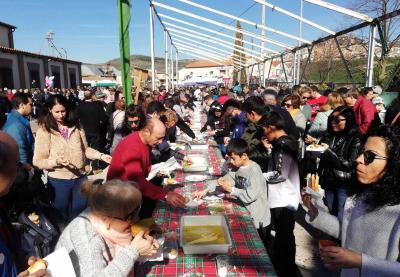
(19, 128)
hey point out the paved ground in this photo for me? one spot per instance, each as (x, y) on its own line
(307, 258)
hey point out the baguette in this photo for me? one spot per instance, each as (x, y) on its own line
(38, 265)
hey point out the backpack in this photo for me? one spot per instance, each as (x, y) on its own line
(37, 240)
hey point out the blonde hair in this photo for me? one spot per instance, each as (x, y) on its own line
(114, 198)
(333, 101)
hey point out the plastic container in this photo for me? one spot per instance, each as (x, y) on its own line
(202, 220)
(199, 163)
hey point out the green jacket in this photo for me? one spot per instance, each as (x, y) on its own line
(253, 135)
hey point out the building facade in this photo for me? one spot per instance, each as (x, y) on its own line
(21, 69)
(203, 68)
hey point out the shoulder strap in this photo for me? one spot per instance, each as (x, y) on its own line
(395, 119)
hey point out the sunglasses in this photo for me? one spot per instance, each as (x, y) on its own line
(370, 156)
(337, 120)
(130, 122)
(287, 105)
(305, 98)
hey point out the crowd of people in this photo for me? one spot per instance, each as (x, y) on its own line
(264, 135)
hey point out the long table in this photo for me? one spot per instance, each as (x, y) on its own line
(247, 255)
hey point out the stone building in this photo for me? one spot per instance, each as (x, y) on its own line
(18, 68)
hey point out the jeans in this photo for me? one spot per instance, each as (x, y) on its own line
(335, 199)
(284, 246)
(68, 199)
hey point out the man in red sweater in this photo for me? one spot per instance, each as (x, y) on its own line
(316, 101)
(131, 162)
(364, 110)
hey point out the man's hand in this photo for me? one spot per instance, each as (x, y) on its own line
(335, 257)
(266, 144)
(175, 199)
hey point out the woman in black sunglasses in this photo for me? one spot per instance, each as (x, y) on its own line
(369, 225)
(99, 240)
(336, 168)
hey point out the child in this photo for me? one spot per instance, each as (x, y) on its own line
(246, 183)
(283, 190)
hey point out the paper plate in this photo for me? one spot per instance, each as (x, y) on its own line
(195, 178)
(317, 149)
(214, 197)
(193, 203)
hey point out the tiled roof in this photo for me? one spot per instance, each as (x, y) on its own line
(7, 25)
(205, 63)
(35, 55)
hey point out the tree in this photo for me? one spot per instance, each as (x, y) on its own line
(239, 57)
(390, 31)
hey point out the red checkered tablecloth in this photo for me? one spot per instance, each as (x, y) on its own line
(247, 256)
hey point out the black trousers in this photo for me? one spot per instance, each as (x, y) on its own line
(283, 220)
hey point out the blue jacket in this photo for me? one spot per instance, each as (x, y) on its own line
(239, 125)
(19, 128)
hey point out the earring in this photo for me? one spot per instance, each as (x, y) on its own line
(108, 226)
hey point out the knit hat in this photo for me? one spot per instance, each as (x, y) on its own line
(377, 100)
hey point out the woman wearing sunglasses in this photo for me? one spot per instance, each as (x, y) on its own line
(291, 103)
(369, 225)
(99, 240)
(336, 168)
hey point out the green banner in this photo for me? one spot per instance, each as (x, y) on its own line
(124, 18)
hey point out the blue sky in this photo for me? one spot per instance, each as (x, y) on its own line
(88, 29)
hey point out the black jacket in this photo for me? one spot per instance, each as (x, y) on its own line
(93, 117)
(337, 164)
(216, 123)
(290, 126)
(253, 136)
(284, 145)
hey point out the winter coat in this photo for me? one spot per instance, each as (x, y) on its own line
(336, 167)
(364, 112)
(19, 128)
(252, 135)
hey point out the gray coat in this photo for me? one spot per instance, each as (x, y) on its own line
(375, 234)
(86, 248)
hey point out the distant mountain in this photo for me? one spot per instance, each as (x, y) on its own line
(144, 62)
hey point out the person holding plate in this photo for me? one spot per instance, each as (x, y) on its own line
(341, 145)
(368, 227)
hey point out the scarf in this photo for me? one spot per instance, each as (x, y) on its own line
(113, 239)
(294, 112)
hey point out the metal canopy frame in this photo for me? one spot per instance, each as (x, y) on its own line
(178, 37)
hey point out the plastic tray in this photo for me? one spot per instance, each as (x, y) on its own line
(201, 220)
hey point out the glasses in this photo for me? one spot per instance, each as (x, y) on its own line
(132, 216)
(337, 120)
(305, 98)
(287, 105)
(370, 157)
(131, 122)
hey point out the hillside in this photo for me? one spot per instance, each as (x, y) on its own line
(145, 63)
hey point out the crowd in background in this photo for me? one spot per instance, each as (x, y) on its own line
(83, 131)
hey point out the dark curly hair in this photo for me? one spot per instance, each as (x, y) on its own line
(386, 192)
(133, 111)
